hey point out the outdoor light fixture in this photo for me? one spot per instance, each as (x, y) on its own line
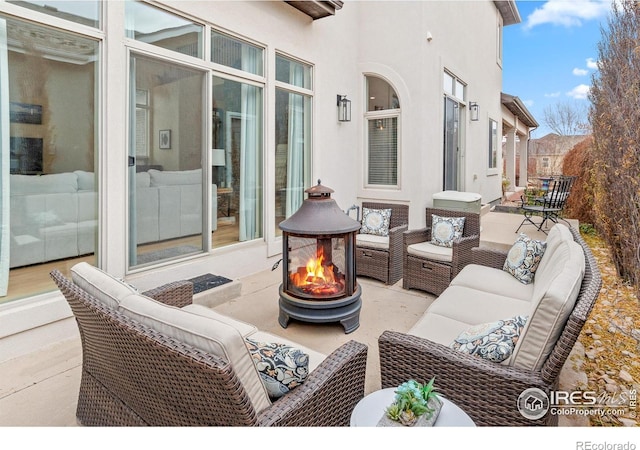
(344, 108)
(474, 110)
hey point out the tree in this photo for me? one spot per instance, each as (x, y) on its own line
(566, 118)
(614, 118)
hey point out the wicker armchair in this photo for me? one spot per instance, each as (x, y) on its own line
(430, 268)
(383, 261)
(485, 390)
(133, 375)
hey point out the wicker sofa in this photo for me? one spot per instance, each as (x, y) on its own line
(158, 359)
(557, 303)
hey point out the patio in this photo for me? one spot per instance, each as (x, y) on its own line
(41, 389)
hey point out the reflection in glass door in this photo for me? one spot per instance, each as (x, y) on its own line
(166, 179)
(451, 144)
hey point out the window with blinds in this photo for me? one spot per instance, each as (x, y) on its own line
(383, 151)
(382, 116)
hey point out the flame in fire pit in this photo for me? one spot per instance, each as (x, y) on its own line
(318, 278)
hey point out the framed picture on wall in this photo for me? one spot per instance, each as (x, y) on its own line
(165, 139)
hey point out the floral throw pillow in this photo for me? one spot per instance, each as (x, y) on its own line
(524, 258)
(444, 230)
(375, 221)
(492, 341)
(281, 367)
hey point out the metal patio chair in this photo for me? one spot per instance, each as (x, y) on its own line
(550, 206)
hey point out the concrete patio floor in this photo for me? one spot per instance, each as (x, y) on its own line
(40, 389)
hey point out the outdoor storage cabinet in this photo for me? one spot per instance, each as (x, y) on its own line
(458, 201)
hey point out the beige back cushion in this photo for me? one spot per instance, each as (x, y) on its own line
(549, 315)
(204, 333)
(100, 284)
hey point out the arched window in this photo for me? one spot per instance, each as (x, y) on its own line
(382, 119)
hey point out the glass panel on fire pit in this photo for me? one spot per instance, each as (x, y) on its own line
(316, 267)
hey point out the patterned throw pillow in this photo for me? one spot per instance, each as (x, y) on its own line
(524, 257)
(375, 221)
(280, 366)
(493, 341)
(444, 230)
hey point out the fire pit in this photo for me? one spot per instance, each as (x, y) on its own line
(318, 273)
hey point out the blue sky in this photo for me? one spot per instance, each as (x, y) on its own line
(551, 55)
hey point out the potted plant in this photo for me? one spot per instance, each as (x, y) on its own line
(414, 404)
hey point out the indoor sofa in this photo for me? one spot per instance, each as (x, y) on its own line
(483, 312)
(55, 216)
(158, 359)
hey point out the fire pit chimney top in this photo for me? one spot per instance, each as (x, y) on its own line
(319, 191)
(319, 214)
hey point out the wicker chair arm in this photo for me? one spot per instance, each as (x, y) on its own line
(177, 293)
(488, 392)
(487, 257)
(397, 232)
(410, 237)
(461, 254)
(328, 395)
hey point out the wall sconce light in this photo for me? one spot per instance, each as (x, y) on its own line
(474, 109)
(344, 109)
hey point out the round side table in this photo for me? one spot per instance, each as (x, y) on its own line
(370, 409)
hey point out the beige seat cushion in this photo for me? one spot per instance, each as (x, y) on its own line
(427, 250)
(204, 333)
(372, 241)
(491, 280)
(100, 284)
(440, 329)
(245, 329)
(315, 358)
(548, 316)
(475, 307)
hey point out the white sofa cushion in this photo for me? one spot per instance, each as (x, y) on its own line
(372, 241)
(427, 250)
(175, 177)
(86, 180)
(204, 333)
(548, 316)
(494, 281)
(44, 184)
(100, 284)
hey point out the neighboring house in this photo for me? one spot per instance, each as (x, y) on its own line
(546, 154)
(144, 115)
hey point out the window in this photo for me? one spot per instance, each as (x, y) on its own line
(85, 12)
(293, 136)
(154, 26)
(382, 117)
(233, 52)
(48, 84)
(165, 186)
(238, 108)
(493, 144)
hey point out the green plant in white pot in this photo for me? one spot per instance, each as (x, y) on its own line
(414, 401)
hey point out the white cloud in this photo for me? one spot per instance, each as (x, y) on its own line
(579, 92)
(592, 64)
(580, 72)
(528, 103)
(553, 94)
(568, 13)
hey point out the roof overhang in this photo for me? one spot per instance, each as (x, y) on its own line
(317, 9)
(517, 108)
(508, 11)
